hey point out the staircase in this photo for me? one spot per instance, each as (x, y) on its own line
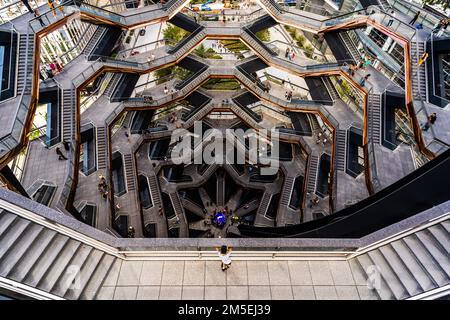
(331, 88)
(341, 147)
(220, 190)
(418, 76)
(385, 4)
(101, 147)
(172, 6)
(177, 206)
(374, 125)
(128, 159)
(350, 46)
(272, 6)
(42, 258)
(154, 190)
(265, 201)
(185, 45)
(68, 111)
(312, 173)
(411, 265)
(315, 126)
(93, 42)
(257, 45)
(25, 63)
(196, 115)
(112, 84)
(287, 190)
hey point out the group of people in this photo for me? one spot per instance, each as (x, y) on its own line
(362, 64)
(321, 139)
(288, 95)
(220, 47)
(314, 201)
(431, 119)
(440, 27)
(289, 53)
(103, 186)
(362, 82)
(54, 67)
(60, 154)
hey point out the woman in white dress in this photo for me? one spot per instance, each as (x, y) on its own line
(224, 253)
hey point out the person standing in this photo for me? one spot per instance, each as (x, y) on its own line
(27, 4)
(225, 257)
(61, 156)
(391, 20)
(38, 16)
(430, 121)
(423, 58)
(362, 83)
(443, 28)
(414, 19)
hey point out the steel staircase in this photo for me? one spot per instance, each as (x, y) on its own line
(98, 33)
(265, 201)
(374, 117)
(25, 63)
(129, 172)
(68, 111)
(287, 190)
(220, 190)
(419, 85)
(350, 46)
(101, 148)
(154, 190)
(313, 165)
(341, 147)
(331, 88)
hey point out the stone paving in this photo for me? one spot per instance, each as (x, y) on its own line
(203, 280)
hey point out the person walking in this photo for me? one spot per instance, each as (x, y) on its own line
(423, 58)
(224, 253)
(27, 5)
(66, 145)
(286, 54)
(414, 19)
(443, 27)
(362, 83)
(38, 16)
(61, 156)
(430, 121)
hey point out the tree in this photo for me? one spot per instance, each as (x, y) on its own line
(174, 33)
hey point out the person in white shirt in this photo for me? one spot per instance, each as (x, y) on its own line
(224, 253)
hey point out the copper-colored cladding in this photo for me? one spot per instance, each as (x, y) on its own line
(360, 22)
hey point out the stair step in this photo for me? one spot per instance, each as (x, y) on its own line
(442, 236)
(58, 266)
(31, 256)
(67, 277)
(398, 266)
(427, 260)
(96, 280)
(32, 276)
(6, 219)
(369, 267)
(18, 248)
(413, 265)
(13, 234)
(436, 250)
(389, 275)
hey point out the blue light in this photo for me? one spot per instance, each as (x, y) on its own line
(220, 219)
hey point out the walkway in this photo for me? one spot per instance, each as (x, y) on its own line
(203, 280)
